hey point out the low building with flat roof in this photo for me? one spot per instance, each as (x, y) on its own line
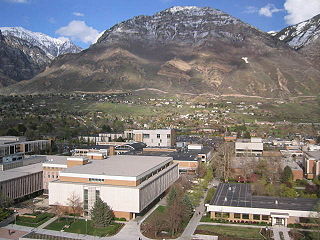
(249, 147)
(236, 203)
(128, 184)
(22, 181)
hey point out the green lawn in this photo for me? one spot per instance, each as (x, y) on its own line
(34, 222)
(236, 232)
(79, 226)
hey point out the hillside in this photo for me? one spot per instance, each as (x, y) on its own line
(181, 50)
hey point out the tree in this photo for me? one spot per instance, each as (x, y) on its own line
(287, 175)
(106, 128)
(22, 128)
(58, 210)
(156, 223)
(12, 132)
(5, 201)
(75, 205)
(246, 135)
(315, 219)
(101, 214)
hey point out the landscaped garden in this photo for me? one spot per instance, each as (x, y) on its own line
(82, 227)
(230, 232)
(33, 219)
(4, 213)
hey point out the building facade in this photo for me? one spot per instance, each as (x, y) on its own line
(312, 164)
(249, 147)
(155, 138)
(235, 203)
(128, 184)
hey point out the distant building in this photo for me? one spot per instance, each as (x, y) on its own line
(13, 150)
(154, 138)
(22, 181)
(253, 146)
(236, 203)
(312, 164)
(128, 184)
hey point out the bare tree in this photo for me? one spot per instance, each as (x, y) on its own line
(221, 161)
(58, 210)
(75, 204)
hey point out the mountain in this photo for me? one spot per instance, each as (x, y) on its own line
(24, 53)
(304, 37)
(181, 50)
(53, 47)
(15, 65)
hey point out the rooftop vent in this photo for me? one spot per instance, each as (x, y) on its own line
(225, 199)
(229, 188)
(276, 202)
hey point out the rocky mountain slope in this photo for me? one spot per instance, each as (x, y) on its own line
(15, 65)
(181, 50)
(305, 38)
(24, 53)
(53, 47)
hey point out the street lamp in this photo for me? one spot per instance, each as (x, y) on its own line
(86, 226)
(15, 217)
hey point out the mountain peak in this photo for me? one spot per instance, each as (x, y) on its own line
(53, 47)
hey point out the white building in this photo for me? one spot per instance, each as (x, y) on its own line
(154, 138)
(128, 184)
(253, 146)
(236, 203)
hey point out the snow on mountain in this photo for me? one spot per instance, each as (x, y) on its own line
(301, 34)
(53, 47)
(178, 24)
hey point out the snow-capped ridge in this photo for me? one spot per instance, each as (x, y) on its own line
(53, 47)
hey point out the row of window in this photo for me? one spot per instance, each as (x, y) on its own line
(96, 180)
(242, 216)
(153, 173)
(158, 135)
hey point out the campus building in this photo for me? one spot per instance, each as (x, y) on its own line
(236, 203)
(249, 147)
(154, 138)
(312, 164)
(128, 184)
(21, 182)
(13, 150)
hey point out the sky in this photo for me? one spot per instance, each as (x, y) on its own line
(83, 21)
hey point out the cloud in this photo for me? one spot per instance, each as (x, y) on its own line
(52, 20)
(269, 10)
(80, 31)
(17, 1)
(78, 14)
(251, 9)
(300, 10)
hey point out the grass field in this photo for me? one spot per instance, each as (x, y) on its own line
(80, 226)
(235, 232)
(34, 222)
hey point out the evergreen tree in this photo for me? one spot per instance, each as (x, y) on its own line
(101, 214)
(188, 207)
(287, 175)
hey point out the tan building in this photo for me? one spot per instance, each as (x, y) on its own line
(154, 138)
(22, 181)
(249, 147)
(236, 203)
(312, 164)
(128, 184)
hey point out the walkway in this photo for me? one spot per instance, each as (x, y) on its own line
(276, 232)
(51, 220)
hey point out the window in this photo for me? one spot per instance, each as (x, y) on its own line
(218, 214)
(96, 180)
(158, 135)
(256, 217)
(146, 135)
(237, 215)
(97, 194)
(265, 217)
(168, 135)
(48, 176)
(245, 216)
(85, 198)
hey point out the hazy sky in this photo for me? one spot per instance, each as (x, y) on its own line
(83, 20)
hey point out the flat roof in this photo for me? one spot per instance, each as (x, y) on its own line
(119, 165)
(240, 195)
(20, 171)
(55, 159)
(181, 156)
(314, 154)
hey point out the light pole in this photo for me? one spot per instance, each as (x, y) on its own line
(15, 217)
(86, 226)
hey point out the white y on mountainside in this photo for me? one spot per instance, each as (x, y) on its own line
(53, 47)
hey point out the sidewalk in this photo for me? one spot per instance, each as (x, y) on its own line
(47, 222)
